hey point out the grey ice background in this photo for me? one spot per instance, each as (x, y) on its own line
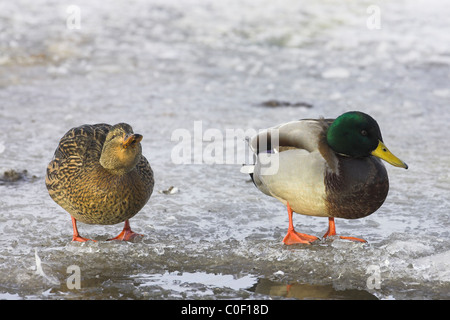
(161, 66)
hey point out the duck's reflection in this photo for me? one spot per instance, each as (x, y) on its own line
(308, 291)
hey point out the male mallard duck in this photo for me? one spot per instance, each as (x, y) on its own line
(323, 167)
(99, 175)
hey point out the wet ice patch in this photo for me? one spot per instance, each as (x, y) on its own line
(402, 248)
(40, 271)
(435, 266)
(189, 284)
(308, 291)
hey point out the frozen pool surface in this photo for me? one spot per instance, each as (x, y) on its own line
(208, 68)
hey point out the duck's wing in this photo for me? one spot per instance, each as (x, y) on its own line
(78, 146)
(146, 173)
(77, 141)
(301, 134)
(287, 155)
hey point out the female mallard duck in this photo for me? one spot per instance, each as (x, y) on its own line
(99, 175)
(323, 167)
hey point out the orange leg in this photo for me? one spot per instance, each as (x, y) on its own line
(126, 234)
(76, 235)
(288, 288)
(292, 236)
(332, 232)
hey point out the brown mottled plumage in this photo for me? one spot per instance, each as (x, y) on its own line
(99, 175)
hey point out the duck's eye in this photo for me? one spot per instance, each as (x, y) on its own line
(112, 137)
(364, 132)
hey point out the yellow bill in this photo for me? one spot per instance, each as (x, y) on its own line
(383, 152)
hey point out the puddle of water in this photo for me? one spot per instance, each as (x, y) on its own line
(185, 284)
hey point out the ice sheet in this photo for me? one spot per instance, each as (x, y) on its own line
(166, 65)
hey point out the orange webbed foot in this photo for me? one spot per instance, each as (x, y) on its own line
(332, 232)
(127, 234)
(292, 236)
(76, 236)
(353, 239)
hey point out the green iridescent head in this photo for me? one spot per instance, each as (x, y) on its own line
(356, 134)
